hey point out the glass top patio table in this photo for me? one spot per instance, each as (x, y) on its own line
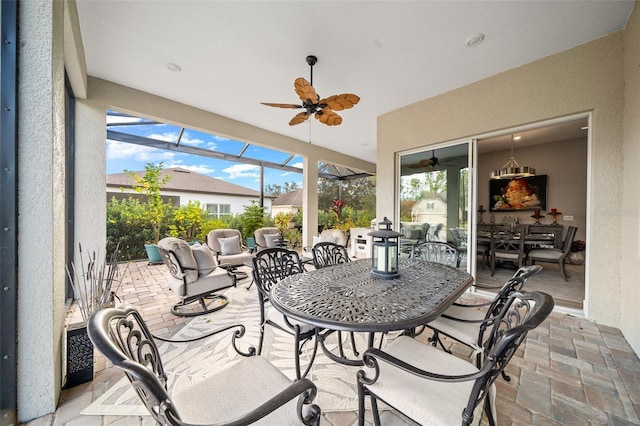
(347, 297)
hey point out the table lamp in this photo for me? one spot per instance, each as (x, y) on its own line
(384, 251)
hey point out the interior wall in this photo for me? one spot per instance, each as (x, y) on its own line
(630, 239)
(564, 163)
(586, 78)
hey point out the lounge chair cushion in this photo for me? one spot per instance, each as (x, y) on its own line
(271, 240)
(204, 258)
(184, 255)
(230, 245)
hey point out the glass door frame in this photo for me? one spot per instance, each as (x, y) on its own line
(471, 201)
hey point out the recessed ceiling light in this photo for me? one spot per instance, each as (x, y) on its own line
(475, 39)
(517, 138)
(173, 67)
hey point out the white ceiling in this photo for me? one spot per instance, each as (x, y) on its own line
(235, 54)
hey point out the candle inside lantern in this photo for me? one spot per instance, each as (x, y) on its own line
(481, 207)
(554, 211)
(537, 213)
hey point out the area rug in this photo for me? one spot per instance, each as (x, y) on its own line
(188, 363)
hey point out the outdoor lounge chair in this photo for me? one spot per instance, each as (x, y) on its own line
(196, 277)
(267, 237)
(226, 398)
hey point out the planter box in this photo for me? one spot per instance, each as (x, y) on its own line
(79, 355)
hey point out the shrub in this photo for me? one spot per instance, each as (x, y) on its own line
(187, 221)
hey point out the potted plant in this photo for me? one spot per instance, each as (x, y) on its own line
(95, 284)
(150, 184)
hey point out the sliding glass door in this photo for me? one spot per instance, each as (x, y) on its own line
(436, 194)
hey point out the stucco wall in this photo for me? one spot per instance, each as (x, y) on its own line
(586, 78)
(630, 314)
(41, 200)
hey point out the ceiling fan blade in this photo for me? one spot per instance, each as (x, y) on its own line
(328, 117)
(299, 118)
(427, 162)
(281, 105)
(305, 91)
(340, 102)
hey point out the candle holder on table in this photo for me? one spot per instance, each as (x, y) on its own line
(555, 213)
(481, 210)
(536, 215)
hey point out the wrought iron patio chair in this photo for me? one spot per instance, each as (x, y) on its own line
(468, 323)
(269, 267)
(554, 255)
(327, 254)
(122, 336)
(434, 251)
(433, 387)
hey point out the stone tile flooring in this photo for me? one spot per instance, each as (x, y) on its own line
(569, 371)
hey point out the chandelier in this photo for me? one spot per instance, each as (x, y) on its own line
(511, 168)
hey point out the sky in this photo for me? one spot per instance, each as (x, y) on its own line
(123, 156)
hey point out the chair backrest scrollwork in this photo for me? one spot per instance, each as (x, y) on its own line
(122, 336)
(434, 251)
(272, 265)
(328, 254)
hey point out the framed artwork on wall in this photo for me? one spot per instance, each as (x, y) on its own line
(517, 194)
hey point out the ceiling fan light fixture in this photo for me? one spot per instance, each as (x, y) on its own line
(511, 169)
(322, 109)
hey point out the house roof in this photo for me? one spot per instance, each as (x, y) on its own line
(186, 181)
(293, 198)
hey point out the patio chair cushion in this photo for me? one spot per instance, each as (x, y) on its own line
(276, 317)
(224, 388)
(184, 255)
(204, 258)
(271, 240)
(230, 245)
(402, 388)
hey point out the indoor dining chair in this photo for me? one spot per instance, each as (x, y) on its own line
(554, 255)
(507, 245)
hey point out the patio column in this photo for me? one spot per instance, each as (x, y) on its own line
(309, 200)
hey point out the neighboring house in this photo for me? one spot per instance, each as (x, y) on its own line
(218, 197)
(431, 209)
(290, 202)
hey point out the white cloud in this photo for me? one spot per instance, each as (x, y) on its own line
(121, 150)
(242, 171)
(298, 165)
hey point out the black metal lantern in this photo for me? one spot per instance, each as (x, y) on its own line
(384, 251)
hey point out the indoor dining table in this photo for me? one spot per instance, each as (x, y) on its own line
(346, 297)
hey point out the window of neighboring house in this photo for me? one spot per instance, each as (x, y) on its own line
(219, 210)
(430, 205)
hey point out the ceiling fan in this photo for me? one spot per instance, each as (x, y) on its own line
(427, 163)
(324, 109)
